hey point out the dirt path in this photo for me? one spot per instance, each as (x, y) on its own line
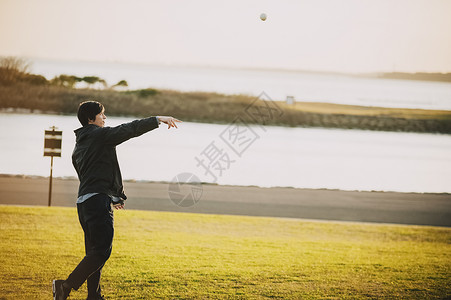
(399, 208)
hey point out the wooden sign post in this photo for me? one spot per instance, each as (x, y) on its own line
(52, 147)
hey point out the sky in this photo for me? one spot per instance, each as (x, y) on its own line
(319, 35)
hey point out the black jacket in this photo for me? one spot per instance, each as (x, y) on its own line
(94, 156)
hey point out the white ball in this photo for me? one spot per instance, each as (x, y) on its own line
(263, 17)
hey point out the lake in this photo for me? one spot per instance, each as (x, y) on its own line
(263, 156)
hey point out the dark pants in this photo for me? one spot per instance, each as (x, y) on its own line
(96, 219)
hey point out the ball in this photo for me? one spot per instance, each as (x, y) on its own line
(263, 17)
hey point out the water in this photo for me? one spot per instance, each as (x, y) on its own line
(277, 84)
(297, 157)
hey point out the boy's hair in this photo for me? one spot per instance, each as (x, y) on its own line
(88, 110)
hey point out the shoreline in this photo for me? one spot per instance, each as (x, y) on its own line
(186, 105)
(72, 178)
(330, 205)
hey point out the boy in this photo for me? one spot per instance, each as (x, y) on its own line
(94, 158)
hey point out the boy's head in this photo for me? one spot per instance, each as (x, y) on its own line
(88, 111)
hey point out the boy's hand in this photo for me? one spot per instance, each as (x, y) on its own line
(119, 204)
(168, 120)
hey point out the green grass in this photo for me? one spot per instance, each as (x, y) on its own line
(195, 256)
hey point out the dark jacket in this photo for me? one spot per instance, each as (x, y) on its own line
(94, 156)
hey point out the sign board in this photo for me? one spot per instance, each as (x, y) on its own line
(52, 143)
(52, 147)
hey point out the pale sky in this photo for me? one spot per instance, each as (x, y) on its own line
(320, 35)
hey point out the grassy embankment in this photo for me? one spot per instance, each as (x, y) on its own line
(217, 108)
(194, 256)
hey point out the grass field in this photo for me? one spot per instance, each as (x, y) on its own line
(194, 256)
(354, 110)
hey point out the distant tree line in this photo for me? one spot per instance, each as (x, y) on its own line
(446, 77)
(13, 70)
(70, 80)
(21, 90)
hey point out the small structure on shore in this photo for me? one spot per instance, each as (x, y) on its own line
(290, 100)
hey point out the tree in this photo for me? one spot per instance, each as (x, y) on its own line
(91, 80)
(121, 83)
(12, 69)
(12, 63)
(103, 82)
(35, 79)
(66, 80)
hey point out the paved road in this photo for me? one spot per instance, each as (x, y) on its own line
(398, 208)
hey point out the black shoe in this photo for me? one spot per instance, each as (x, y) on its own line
(59, 291)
